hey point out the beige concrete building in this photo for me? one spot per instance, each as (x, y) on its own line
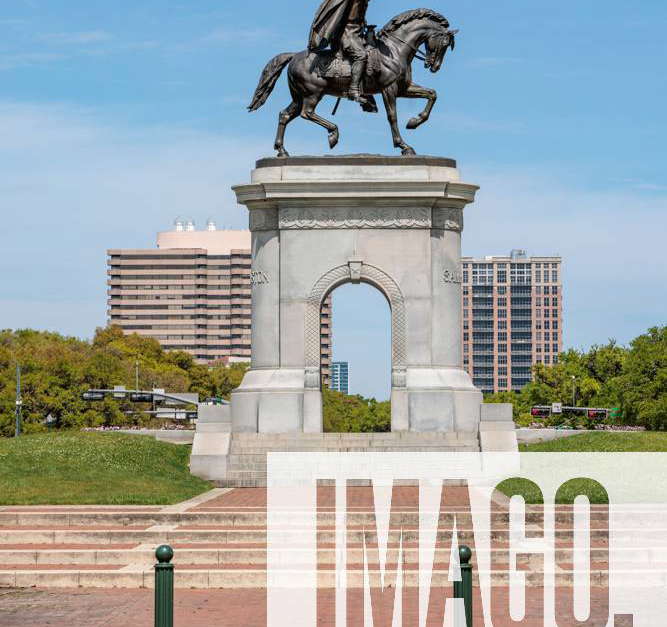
(192, 293)
(512, 318)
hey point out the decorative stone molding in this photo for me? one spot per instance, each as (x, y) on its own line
(263, 219)
(391, 290)
(355, 218)
(399, 378)
(448, 218)
(259, 277)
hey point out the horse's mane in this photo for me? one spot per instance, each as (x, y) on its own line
(408, 16)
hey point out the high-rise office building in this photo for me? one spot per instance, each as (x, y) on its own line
(192, 293)
(512, 318)
(340, 377)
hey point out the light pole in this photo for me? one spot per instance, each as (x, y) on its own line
(574, 391)
(19, 401)
(136, 375)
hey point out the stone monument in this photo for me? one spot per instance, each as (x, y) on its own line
(394, 223)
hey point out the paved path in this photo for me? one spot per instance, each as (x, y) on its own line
(193, 608)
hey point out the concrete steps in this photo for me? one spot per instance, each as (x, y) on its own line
(246, 462)
(222, 543)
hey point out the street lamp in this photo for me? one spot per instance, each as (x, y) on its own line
(574, 391)
(19, 401)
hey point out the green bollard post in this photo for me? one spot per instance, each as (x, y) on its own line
(463, 588)
(164, 587)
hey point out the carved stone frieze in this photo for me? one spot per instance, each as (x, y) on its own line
(263, 219)
(356, 218)
(448, 218)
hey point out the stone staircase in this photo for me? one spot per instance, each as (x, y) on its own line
(246, 463)
(222, 543)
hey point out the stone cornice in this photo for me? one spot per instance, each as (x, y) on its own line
(357, 192)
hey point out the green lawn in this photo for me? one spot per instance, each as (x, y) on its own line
(77, 468)
(602, 442)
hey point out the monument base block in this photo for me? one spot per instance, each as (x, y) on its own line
(395, 224)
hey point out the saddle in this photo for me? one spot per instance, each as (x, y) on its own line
(335, 65)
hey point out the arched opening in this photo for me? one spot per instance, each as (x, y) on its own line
(357, 384)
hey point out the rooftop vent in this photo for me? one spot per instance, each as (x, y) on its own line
(211, 225)
(179, 225)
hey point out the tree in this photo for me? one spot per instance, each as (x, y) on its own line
(643, 385)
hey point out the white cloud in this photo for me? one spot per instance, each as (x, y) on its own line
(611, 242)
(225, 35)
(85, 37)
(73, 186)
(27, 59)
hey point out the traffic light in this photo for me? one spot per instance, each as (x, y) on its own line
(93, 396)
(141, 397)
(540, 412)
(598, 413)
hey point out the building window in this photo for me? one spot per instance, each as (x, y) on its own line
(502, 359)
(502, 383)
(502, 348)
(502, 372)
(502, 290)
(502, 313)
(502, 302)
(502, 337)
(502, 324)
(555, 348)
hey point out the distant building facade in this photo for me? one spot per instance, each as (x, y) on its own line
(340, 377)
(512, 318)
(192, 293)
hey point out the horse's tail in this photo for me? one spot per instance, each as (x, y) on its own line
(269, 78)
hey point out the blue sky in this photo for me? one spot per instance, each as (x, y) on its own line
(117, 116)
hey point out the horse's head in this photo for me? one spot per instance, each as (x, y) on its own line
(437, 45)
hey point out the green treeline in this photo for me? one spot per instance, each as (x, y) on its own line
(632, 379)
(56, 370)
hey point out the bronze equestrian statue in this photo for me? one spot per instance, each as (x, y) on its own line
(344, 21)
(347, 59)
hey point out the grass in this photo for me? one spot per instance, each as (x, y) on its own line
(75, 468)
(603, 442)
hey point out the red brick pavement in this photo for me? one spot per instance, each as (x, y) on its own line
(192, 608)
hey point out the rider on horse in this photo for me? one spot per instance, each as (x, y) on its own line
(341, 24)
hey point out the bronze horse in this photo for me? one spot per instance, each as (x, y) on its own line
(312, 75)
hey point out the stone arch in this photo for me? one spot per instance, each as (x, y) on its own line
(356, 272)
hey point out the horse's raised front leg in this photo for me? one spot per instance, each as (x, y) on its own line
(308, 113)
(389, 97)
(416, 91)
(284, 118)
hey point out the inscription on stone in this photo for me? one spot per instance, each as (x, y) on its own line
(452, 276)
(258, 277)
